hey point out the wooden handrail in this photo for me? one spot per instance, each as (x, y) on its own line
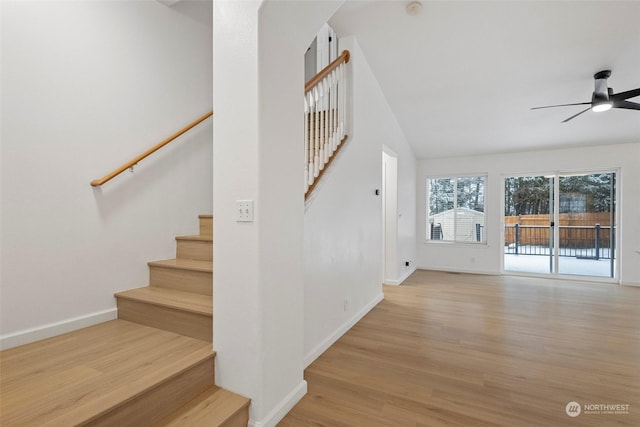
(133, 162)
(344, 57)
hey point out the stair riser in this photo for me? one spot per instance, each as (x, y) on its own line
(158, 402)
(181, 322)
(199, 282)
(206, 226)
(241, 419)
(194, 249)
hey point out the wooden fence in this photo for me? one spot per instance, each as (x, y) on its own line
(576, 229)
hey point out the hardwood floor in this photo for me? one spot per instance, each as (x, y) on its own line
(466, 350)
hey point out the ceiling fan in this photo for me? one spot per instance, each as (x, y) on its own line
(603, 98)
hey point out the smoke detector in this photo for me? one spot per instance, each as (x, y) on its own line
(414, 8)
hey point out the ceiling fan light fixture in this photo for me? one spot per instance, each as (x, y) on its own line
(600, 102)
(603, 106)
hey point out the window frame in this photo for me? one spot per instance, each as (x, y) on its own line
(455, 178)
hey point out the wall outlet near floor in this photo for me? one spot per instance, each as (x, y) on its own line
(406, 263)
(346, 304)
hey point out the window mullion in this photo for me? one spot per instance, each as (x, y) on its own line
(455, 209)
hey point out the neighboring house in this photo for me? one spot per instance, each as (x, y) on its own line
(87, 85)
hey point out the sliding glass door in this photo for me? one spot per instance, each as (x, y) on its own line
(528, 220)
(561, 224)
(587, 224)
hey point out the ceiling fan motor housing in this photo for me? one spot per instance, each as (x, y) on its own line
(601, 93)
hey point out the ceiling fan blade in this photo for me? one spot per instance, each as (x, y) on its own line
(625, 95)
(627, 105)
(561, 105)
(576, 115)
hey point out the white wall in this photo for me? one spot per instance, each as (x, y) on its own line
(85, 87)
(258, 90)
(389, 217)
(407, 233)
(236, 306)
(440, 256)
(343, 219)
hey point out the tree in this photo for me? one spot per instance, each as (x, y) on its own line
(597, 190)
(440, 195)
(469, 193)
(531, 195)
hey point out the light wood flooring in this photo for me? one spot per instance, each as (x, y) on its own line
(467, 350)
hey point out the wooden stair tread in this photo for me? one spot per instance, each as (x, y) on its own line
(184, 264)
(197, 237)
(78, 376)
(172, 298)
(205, 216)
(213, 407)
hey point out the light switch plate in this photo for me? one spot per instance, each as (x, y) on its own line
(244, 210)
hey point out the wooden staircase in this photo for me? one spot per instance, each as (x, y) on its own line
(151, 367)
(179, 297)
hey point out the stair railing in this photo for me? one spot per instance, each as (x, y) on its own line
(130, 164)
(325, 106)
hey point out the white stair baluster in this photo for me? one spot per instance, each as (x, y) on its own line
(329, 117)
(339, 105)
(346, 83)
(309, 153)
(306, 144)
(334, 106)
(316, 125)
(325, 114)
(343, 97)
(321, 120)
(325, 121)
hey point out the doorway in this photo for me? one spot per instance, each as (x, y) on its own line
(389, 216)
(561, 224)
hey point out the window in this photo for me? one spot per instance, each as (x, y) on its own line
(455, 210)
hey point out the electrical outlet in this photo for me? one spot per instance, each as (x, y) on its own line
(346, 304)
(406, 263)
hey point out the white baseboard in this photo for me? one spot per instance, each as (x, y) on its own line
(283, 408)
(460, 270)
(630, 284)
(52, 329)
(402, 278)
(327, 342)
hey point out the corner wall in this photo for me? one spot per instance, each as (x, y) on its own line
(487, 258)
(258, 306)
(343, 216)
(87, 86)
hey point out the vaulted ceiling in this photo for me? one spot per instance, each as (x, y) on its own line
(461, 76)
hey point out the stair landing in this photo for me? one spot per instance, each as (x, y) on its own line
(101, 375)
